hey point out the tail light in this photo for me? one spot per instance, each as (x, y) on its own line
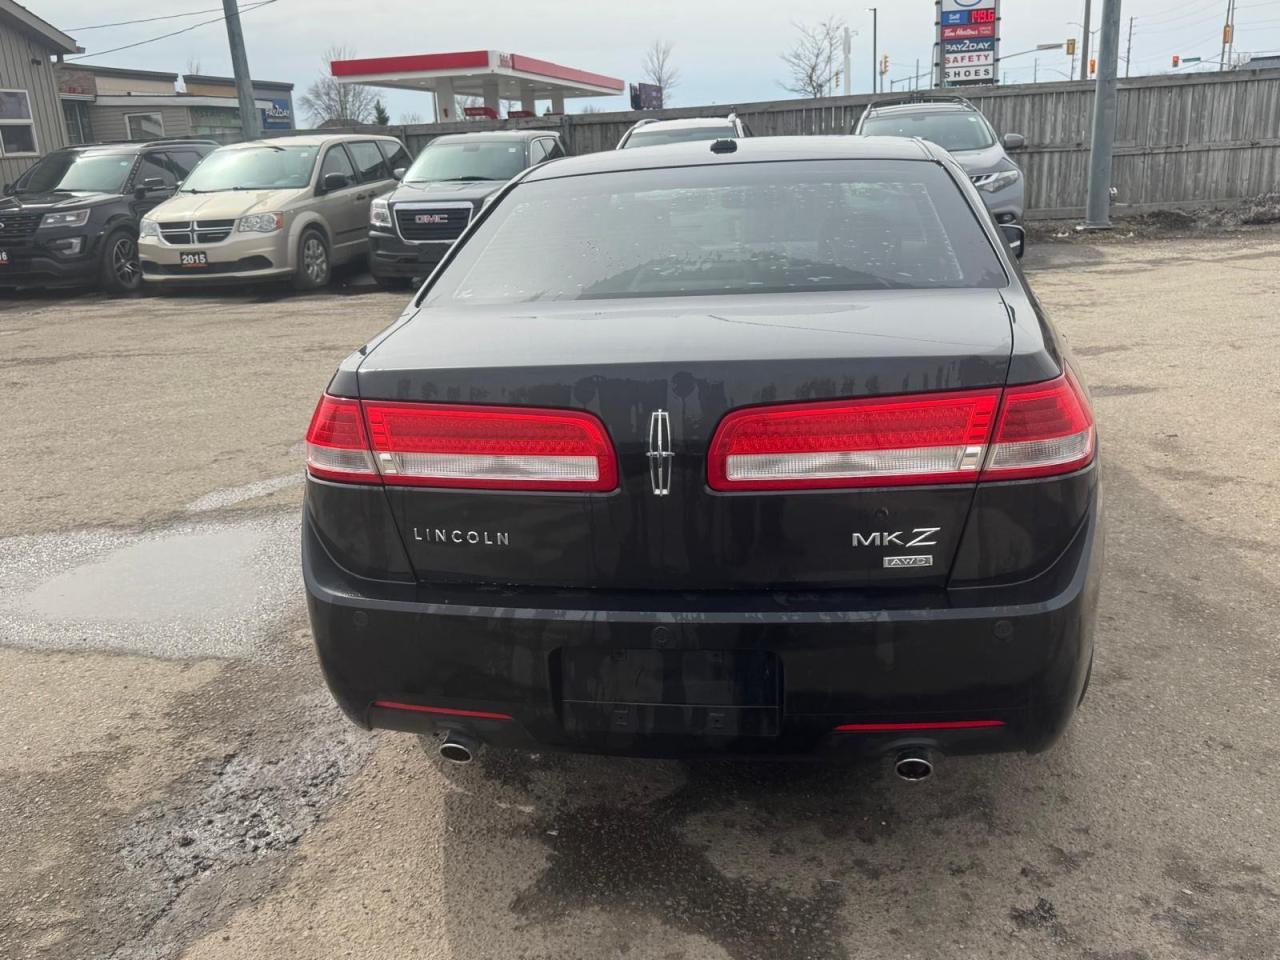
(447, 445)
(933, 438)
(1044, 428)
(337, 444)
(1026, 431)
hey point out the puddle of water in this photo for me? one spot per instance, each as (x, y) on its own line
(193, 575)
(193, 590)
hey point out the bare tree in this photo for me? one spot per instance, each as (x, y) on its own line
(590, 108)
(815, 58)
(327, 99)
(411, 119)
(658, 69)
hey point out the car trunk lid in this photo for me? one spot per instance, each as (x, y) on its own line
(661, 374)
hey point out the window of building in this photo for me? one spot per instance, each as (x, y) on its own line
(17, 129)
(76, 113)
(143, 126)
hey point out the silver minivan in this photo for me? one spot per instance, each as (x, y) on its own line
(290, 207)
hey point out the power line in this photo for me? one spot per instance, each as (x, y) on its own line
(166, 36)
(126, 23)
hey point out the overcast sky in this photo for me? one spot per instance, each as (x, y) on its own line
(727, 52)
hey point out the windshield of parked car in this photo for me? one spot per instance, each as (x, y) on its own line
(253, 168)
(736, 228)
(951, 130)
(470, 160)
(77, 173)
(649, 137)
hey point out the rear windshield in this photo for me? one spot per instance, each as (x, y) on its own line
(471, 160)
(725, 229)
(958, 130)
(77, 172)
(648, 137)
(253, 168)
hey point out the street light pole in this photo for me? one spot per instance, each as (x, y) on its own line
(1084, 46)
(240, 69)
(875, 47)
(1098, 204)
(1128, 52)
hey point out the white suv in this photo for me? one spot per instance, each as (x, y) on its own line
(654, 133)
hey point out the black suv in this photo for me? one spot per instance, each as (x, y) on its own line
(72, 218)
(412, 227)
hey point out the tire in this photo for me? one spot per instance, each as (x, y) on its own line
(397, 284)
(120, 272)
(314, 267)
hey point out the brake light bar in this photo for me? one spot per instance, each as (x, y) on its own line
(461, 446)
(1034, 430)
(920, 725)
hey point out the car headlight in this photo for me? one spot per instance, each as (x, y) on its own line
(149, 228)
(991, 182)
(73, 218)
(260, 223)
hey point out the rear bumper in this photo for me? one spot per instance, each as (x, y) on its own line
(389, 256)
(1018, 655)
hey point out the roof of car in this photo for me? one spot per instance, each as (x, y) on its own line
(686, 123)
(924, 106)
(309, 140)
(135, 146)
(497, 135)
(749, 150)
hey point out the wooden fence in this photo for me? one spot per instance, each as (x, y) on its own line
(1196, 139)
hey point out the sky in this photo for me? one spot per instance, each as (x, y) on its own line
(726, 52)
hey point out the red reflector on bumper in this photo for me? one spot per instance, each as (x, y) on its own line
(441, 711)
(928, 725)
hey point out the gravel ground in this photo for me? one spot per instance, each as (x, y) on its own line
(178, 783)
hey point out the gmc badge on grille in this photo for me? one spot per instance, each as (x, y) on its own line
(430, 218)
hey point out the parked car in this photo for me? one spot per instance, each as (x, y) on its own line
(956, 125)
(755, 447)
(72, 218)
(654, 133)
(410, 230)
(293, 207)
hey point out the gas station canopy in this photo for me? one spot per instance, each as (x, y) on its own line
(487, 74)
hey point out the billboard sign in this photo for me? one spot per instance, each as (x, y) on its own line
(278, 116)
(968, 41)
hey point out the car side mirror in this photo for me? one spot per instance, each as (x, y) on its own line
(398, 173)
(334, 181)
(1014, 141)
(1016, 237)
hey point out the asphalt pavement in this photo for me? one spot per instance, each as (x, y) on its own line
(177, 782)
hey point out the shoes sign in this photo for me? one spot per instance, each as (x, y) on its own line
(969, 40)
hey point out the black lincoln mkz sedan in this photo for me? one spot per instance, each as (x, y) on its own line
(759, 446)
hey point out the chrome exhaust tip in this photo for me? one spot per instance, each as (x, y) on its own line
(457, 748)
(913, 766)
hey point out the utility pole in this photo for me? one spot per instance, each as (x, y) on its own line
(1035, 70)
(240, 68)
(1098, 205)
(1228, 34)
(1084, 46)
(915, 79)
(1128, 50)
(848, 58)
(875, 48)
